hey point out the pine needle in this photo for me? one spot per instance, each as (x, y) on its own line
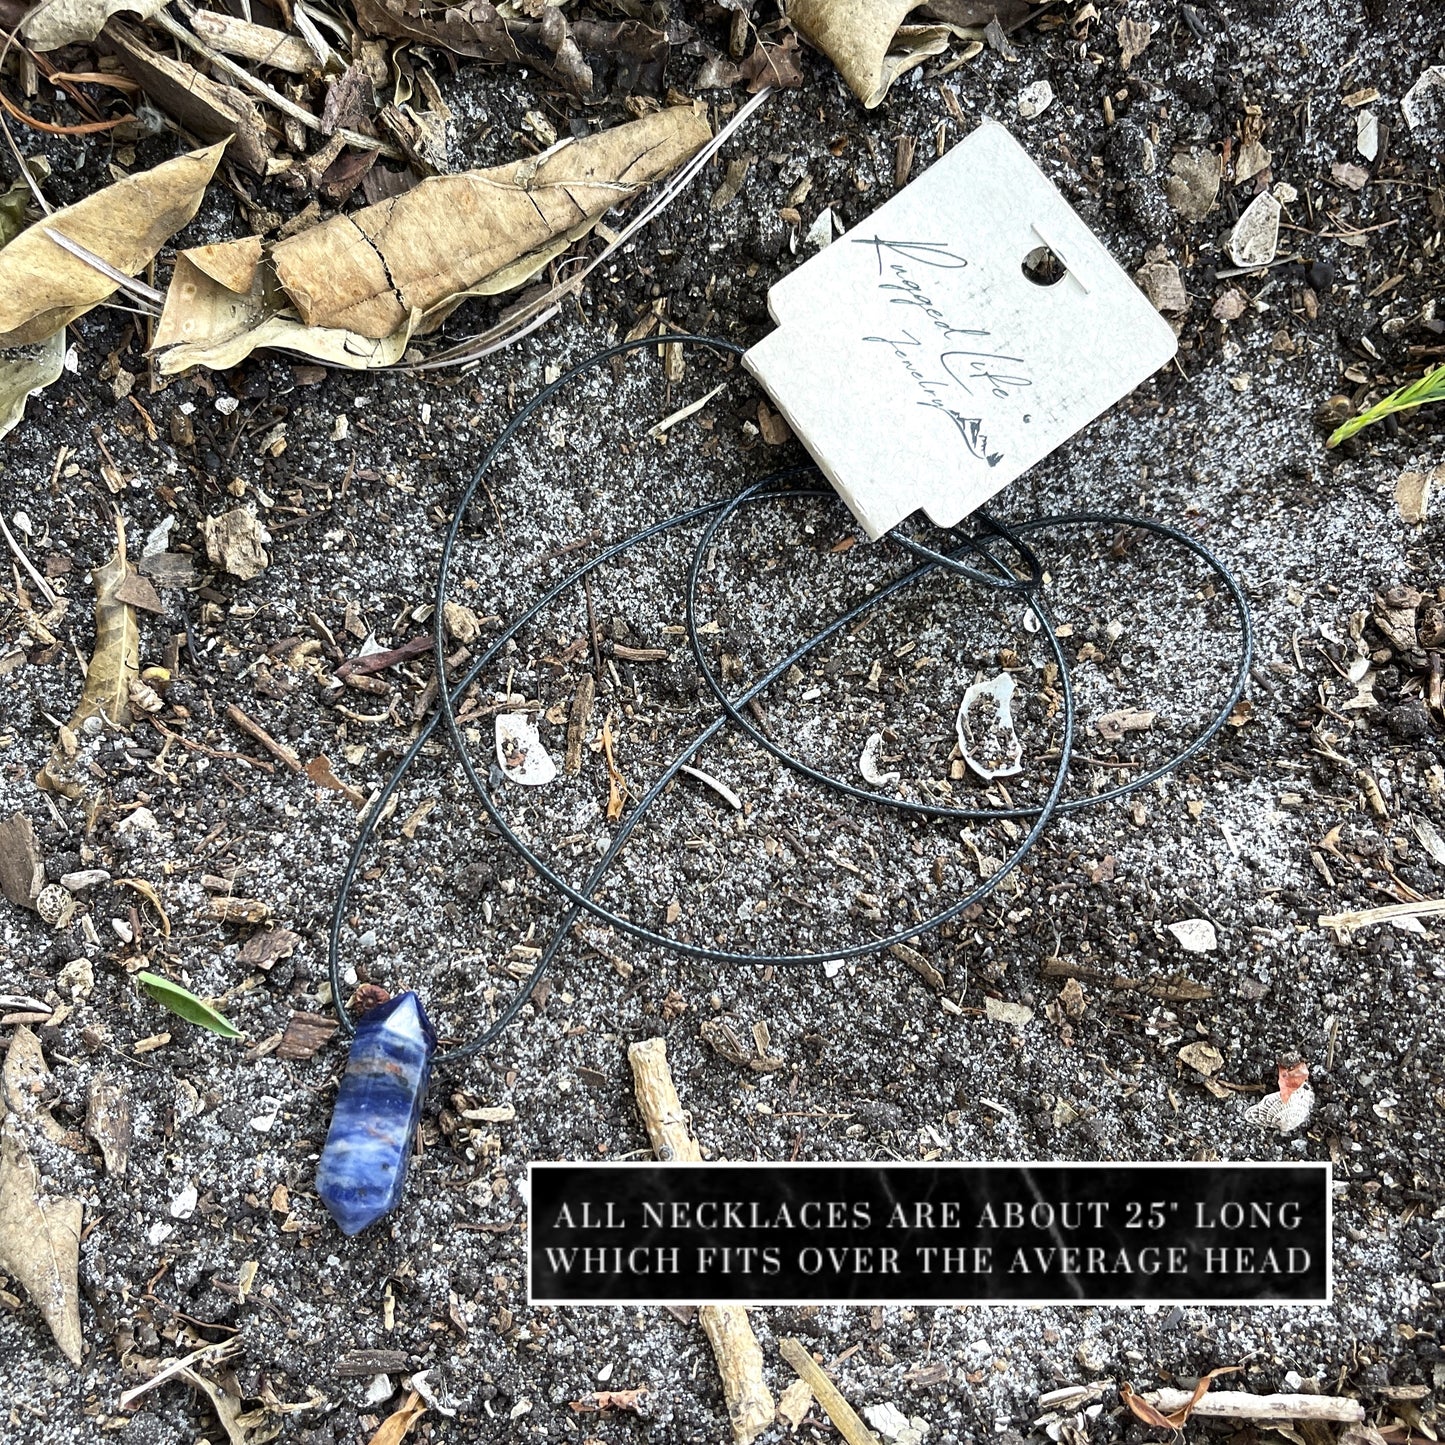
(1430, 387)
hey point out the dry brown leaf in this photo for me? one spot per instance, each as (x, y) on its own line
(477, 233)
(205, 107)
(226, 303)
(1176, 1419)
(40, 1241)
(54, 23)
(858, 37)
(114, 664)
(26, 370)
(589, 58)
(43, 286)
(772, 65)
(395, 1428)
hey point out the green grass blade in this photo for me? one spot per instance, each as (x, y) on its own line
(1430, 387)
(183, 1003)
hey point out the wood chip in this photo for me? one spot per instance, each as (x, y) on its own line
(108, 1121)
(305, 1034)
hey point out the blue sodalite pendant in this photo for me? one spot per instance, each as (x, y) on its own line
(362, 1171)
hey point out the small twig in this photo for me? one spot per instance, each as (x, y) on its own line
(1243, 1405)
(840, 1412)
(218, 753)
(219, 1350)
(255, 730)
(25, 562)
(1348, 922)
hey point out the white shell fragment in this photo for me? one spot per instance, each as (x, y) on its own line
(1274, 1111)
(1255, 237)
(1195, 935)
(184, 1204)
(1367, 134)
(1035, 99)
(868, 764)
(986, 735)
(820, 233)
(520, 753)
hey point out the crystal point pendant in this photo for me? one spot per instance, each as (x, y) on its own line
(362, 1171)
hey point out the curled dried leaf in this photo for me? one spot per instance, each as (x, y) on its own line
(44, 287)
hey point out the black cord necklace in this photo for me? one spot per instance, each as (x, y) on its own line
(363, 1166)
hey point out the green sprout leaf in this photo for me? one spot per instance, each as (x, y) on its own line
(1430, 387)
(182, 1002)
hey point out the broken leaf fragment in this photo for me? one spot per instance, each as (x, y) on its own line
(43, 286)
(25, 370)
(108, 1121)
(40, 1241)
(114, 665)
(184, 1004)
(53, 23)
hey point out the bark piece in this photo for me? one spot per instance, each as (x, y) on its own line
(477, 233)
(740, 1363)
(305, 1034)
(259, 43)
(203, 106)
(22, 869)
(44, 287)
(108, 1122)
(235, 541)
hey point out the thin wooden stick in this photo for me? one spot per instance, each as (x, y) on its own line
(734, 1345)
(278, 750)
(840, 1412)
(1243, 1405)
(1347, 922)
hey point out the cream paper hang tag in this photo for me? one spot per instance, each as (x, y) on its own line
(920, 361)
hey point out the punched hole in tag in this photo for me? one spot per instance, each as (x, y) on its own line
(1044, 266)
